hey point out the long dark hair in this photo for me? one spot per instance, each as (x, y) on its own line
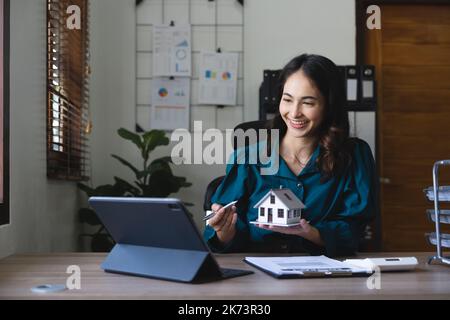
(335, 151)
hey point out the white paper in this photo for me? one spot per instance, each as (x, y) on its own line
(172, 50)
(352, 89)
(218, 78)
(444, 215)
(445, 239)
(170, 103)
(367, 91)
(444, 193)
(302, 265)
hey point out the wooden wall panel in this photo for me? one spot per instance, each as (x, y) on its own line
(411, 53)
(428, 100)
(416, 77)
(396, 33)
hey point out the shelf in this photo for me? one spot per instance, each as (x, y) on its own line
(445, 239)
(444, 193)
(444, 216)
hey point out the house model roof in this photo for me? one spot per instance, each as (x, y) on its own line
(286, 196)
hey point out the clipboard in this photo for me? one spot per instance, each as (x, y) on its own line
(306, 267)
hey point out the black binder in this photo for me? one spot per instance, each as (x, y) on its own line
(157, 238)
(367, 88)
(359, 83)
(360, 87)
(352, 85)
(268, 94)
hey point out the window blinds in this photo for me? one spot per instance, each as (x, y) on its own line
(68, 71)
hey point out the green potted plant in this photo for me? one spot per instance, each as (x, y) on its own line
(153, 179)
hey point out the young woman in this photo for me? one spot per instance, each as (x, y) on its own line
(332, 174)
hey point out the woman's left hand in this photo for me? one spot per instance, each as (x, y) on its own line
(304, 230)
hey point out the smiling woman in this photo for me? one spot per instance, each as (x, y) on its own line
(331, 173)
(312, 112)
(4, 112)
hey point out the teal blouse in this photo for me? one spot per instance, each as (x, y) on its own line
(339, 208)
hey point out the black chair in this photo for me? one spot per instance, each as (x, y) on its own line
(212, 186)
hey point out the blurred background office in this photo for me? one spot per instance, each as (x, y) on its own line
(407, 133)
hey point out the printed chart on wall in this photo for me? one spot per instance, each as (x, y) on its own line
(218, 78)
(172, 50)
(170, 103)
(171, 36)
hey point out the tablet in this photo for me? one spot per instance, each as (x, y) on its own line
(156, 237)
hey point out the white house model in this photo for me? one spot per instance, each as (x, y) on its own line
(279, 207)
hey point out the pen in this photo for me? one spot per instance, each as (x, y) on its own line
(211, 215)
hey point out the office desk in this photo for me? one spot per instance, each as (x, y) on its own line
(20, 273)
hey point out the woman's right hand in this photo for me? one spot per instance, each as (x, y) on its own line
(224, 222)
